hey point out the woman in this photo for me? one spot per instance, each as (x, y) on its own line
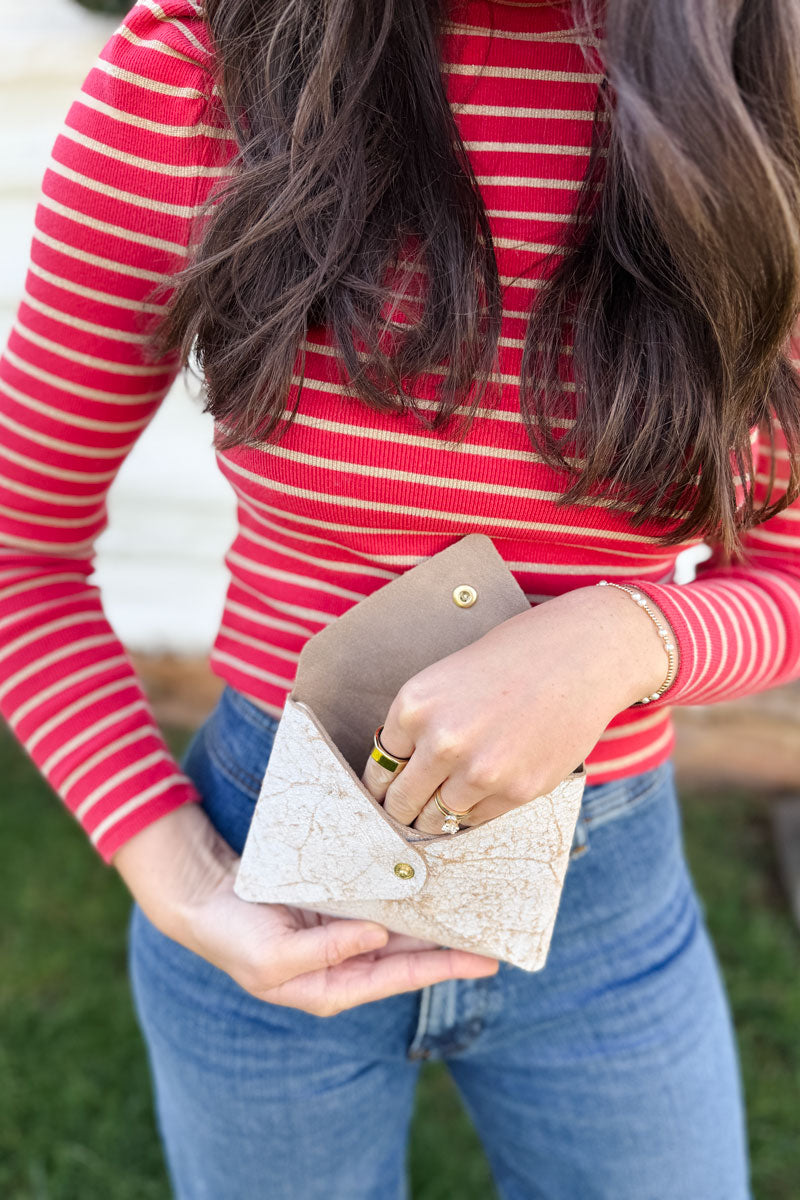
(577, 231)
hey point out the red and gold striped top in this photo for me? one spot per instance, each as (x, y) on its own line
(349, 498)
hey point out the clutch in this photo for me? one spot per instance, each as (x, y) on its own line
(319, 840)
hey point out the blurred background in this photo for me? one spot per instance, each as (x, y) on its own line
(76, 1120)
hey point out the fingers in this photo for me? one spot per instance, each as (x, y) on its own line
(402, 798)
(408, 798)
(394, 738)
(431, 819)
(404, 941)
(407, 795)
(376, 776)
(320, 947)
(362, 980)
(408, 789)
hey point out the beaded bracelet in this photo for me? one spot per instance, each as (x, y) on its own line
(663, 633)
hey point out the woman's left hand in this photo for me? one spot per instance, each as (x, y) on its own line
(508, 717)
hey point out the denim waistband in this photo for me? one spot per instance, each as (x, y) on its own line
(233, 703)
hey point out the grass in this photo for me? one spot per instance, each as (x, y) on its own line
(76, 1120)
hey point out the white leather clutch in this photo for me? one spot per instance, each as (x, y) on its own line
(319, 840)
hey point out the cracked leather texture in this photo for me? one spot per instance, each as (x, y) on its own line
(319, 840)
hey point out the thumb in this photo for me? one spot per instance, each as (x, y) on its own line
(321, 946)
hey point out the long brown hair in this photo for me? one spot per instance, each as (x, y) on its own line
(678, 285)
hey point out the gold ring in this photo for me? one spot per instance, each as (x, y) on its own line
(453, 819)
(390, 761)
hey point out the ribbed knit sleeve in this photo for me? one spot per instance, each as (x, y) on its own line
(738, 626)
(133, 160)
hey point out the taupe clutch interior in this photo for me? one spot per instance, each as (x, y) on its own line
(319, 840)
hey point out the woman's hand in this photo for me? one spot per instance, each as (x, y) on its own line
(508, 717)
(181, 873)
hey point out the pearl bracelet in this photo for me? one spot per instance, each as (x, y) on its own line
(663, 633)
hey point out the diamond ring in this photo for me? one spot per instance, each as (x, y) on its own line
(452, 822)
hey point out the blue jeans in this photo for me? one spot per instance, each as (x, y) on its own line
(612, 1074)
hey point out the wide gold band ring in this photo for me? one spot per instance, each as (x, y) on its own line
(390, 761)
(453, 819)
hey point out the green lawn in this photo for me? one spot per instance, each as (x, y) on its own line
(76, 1121)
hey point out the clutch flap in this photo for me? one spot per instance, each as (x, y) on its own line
(350, 672)
(317, 835)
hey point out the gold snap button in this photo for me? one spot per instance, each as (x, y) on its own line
(404, 870)
(464, 595)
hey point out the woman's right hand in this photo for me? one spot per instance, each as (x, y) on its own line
(181, 873)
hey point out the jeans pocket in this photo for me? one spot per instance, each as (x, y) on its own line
(612, 801)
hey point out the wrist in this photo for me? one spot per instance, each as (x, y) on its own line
(625, 639)
(658, 621)
(172, 866)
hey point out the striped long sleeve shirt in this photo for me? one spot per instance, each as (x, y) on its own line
(349, 498)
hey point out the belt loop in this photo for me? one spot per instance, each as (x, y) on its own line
(417, 1048)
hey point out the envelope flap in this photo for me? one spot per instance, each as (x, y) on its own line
(350, 672)
(317, 835)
